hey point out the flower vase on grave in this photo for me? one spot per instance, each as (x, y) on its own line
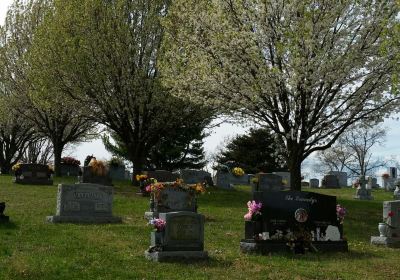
(340, 227)
(253, 229)
(383, 229)
(152, 203)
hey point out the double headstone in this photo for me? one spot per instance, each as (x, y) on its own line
(84, 203)
(341, 176)
(33, 174)
(182, 238)
(390, 230)
(171, 200)
(293, 215)
(330, 182)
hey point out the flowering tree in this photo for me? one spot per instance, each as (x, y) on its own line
(305, 69)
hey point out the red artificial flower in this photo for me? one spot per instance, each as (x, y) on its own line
(390, 214)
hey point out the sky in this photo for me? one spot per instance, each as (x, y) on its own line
(219, 134)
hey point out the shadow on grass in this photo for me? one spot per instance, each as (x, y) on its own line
(210, 262)
(8, 225)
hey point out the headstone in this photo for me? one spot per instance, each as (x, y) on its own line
(287, 213)
(342, 177)
(222, 180)
(70, 170)
(391, 237)
(192, 176)
(182, 238)
(89, 177)
(162, 175)
(362, 192)
(84, 203)
(3, 218)
(396, 193)
(171, 200)
(393, 172)
(389, 183)
(285, 177)
(330, 182)
(314, 183)
(117, 172)
(33, 174)
(372, 182)
(269, 182)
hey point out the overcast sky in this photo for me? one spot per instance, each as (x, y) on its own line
(219, 134)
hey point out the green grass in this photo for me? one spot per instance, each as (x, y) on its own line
(32, 249)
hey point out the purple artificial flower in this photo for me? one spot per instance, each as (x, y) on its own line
(158, 224)
(254, 207)
(340, 211)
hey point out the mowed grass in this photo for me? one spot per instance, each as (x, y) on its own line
(30, 248)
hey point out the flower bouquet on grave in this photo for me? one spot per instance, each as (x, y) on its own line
(98, 167)
(16, 168)
(144, 183)
(157, 234)
(238, 172)
(300, 241)
(340, 214)
(253, 222)
(385, 175)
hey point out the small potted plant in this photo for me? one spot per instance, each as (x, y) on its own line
(158, 231)
(253, 222)
(384, 226)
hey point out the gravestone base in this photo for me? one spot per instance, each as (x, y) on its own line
(83, 220)
(391, 242)
(251, 246)
(33, 181)
(143, 194)
(4, 219)
(165, 256)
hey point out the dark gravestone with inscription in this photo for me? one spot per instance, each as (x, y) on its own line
(269, 182)
(33, 174)
(193, 176)
(183, 238)
(162, 175)
(90, 177)
(286, 213)
(84, 203)
(171, 200)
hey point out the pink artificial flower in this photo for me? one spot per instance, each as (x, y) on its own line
(148, 188)
(340, 211)
(254, 207)
(248, 216)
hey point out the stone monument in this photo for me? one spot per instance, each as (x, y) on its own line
(314, 183)
(362, 193)
(84, 203)
(390, 229)
(182, 238)
(330, 182)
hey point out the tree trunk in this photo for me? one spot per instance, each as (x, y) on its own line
(58, 149)
(137, 162)
(295, 159)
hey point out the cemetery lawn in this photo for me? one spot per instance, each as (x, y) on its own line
(30, 248)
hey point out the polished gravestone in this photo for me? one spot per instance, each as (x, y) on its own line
(84, 203)
(182, 238)
(226, 180)
(171, 200)
(330, 182)
(33, 174)
(285, 213)
(314, 183)
(193, 176)
(268, 182)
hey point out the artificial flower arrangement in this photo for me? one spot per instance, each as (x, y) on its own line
(98, 167)
(16, 167)
(254, 211)
(340, 213)
(156, 188)
(158, 224)
(237, 171)
(145, 182)
(386, 219)
(385, 175)
(70, 161)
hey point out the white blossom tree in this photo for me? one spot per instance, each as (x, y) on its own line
(305, 69)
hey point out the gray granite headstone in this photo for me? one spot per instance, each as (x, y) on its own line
(285, 177)
(84, 203)
(362, 193)
(392, 238)
(330, 182)
(117, 172)
(172, 200)
(223, 180)
(193, 176)
(314, 183)
(182, 238)
(269, 182)
(89, 177)
(372, 182)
